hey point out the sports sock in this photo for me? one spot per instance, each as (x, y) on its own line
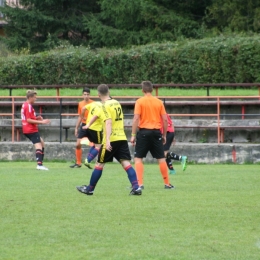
(132, 176)
(93, 152)
(96, 174)
(139, 168)
(164, 172)
(38, 154)
(42, 153)
(78, 156)
(169, 163)
(173, 156)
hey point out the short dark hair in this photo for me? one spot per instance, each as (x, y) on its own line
(147, 86)
(103, 89)
(86, 90)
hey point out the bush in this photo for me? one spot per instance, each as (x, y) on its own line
(213, 60)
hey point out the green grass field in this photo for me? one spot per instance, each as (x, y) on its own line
(137, 92)
(214, 213)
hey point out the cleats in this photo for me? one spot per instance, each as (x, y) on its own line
(168, 186)
(75, 166)
(85, 189)
(136, 192)
(141, 187)
(41, 167)
(172, 171)
(87, 164)
(184, 162)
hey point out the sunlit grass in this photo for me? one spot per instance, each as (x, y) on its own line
(212, 214)
(137, 92)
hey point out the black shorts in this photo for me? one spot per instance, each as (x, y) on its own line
(169, 140)
(92, 135)
(120, 151)
(34, 137)
(149, 140)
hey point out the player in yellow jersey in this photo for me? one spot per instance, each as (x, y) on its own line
(94, 132)
(114, 144)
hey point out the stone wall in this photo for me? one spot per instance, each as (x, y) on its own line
(198, 153)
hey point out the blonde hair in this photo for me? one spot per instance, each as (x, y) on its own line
(30, 93)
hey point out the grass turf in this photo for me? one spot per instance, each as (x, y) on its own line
(137, 92)
(212, 214)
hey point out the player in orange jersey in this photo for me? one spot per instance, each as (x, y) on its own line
(148, 113)
(79, 132)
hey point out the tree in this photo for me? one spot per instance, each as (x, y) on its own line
(39, 25)
(123, 22)
(235, 15)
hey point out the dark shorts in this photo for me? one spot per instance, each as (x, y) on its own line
(148, 140)
(120, 151)
(34, 137)
(92, 135)
(169, 140)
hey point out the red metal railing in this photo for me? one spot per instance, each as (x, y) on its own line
(218, 101)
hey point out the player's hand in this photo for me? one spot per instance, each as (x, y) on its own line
(46, 121)
(164, 139)
(174, 142)
(132, 140)
(85, 126)
(76, 132)
(108, 146)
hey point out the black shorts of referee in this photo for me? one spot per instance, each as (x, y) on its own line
(149, 140)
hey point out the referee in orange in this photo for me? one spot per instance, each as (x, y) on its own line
(149, 112)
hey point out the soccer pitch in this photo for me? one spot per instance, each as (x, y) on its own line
(214, 213)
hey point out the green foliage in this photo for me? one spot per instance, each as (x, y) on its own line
(122, 23)
(234, 15)
(41, 25)
(214, 60)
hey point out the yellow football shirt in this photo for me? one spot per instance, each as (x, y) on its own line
(92, 109)
(111, 109)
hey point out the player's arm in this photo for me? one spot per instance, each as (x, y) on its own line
(39, 118)
(38, 122)
(83, 110)
(165, 126)
(92, 120)
(108, 133)
(135, 124)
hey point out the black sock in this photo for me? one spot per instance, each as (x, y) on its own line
(38, 155)
(169, 163)
(173, 156)
(42, 153)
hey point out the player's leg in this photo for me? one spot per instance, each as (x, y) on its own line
(157, 152)
(182, 158)
(166, 148)
(141, 149)
(95, 137)
(78, 154)
(103, 157)
(122, 154)
(43, 145)
(78, 150)
(36, 140)
(95, 176)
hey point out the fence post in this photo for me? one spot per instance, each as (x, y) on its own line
(60, 120)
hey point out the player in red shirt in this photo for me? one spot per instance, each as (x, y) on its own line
(30, 124)
(166, 147)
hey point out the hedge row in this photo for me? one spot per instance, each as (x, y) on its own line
(213, 60)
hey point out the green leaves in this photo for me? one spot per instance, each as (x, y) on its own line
(214, 60)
